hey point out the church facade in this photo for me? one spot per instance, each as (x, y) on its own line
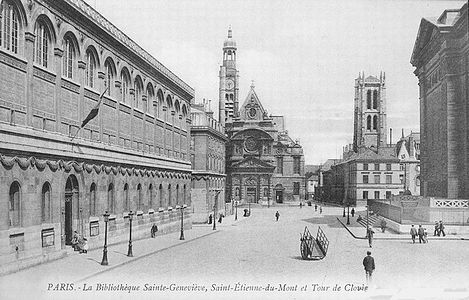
(263, 164)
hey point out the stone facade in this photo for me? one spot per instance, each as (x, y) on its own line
(58, 60)
(263, 164)
(441, 59)
(208, 165)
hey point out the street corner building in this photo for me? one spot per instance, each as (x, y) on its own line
(263, 164)
(208, 165)
(89, 122)
(441, 61)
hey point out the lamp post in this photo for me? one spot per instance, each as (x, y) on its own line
(182, 222)
(215, 204)
(348, 214)
(106, 219)
(236, 210)
(129, 252)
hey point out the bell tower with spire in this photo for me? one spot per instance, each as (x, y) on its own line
(229, 82)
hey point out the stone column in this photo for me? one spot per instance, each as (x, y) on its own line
(133, 103)
(58, 53)
(118, 96)
(101, 87)
(165, 125)
(81, 96)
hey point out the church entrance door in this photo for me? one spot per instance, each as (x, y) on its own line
(251, 194)
(279, 196)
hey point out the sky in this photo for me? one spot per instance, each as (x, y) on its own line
(303, 55)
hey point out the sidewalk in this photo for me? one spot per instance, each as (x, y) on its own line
(79, 267)
(359, 232)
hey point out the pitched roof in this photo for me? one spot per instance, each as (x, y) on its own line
(312, 168)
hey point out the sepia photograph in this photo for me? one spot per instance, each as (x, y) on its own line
(234, 149)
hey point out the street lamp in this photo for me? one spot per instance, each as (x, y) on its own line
(106, 219)
(236, 210)
(129, 252)
(348, 214)
(182, 221)
(215, 204)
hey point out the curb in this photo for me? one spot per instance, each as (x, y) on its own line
(399, 238)
(140, 257)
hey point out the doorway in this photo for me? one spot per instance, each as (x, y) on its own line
(251, 194)
(71, 196)
(279, 196)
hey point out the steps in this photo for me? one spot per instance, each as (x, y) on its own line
(373, 220)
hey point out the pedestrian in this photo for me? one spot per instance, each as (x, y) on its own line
(442, 228)
(84, 246)
(315, 207)
(413, 233)
(353, 212)
(220, 218)
(320, 209)
(437, 229)
(369, 264)
(421, 233)
(369, 234)
(210, 219)
(301, 204)
(154, 229)
(425, 235)
(75, 240)
(383, 225)
(277, 215)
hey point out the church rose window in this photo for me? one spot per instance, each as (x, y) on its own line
(250, 144)
(252, 113)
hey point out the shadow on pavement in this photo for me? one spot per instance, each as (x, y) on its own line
(328, 220)
(89, 258)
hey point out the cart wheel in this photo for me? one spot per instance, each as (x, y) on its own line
(304, 249)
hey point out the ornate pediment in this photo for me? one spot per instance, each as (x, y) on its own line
(252, 109)
(252, 163)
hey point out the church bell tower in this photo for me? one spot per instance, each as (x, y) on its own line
(370, 112)
(229, 82)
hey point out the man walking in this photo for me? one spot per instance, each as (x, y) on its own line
(442, 229)
(437, 229)
(277, 215)
(369, 264)
(413, 233)
(353, 212)
(369, 234)
(315, 207)
(383, 225)
(421, 233)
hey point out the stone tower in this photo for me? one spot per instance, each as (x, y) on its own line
(370, 112)
(229, 82)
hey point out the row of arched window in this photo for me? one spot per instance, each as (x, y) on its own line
(156, 198)
(372, 121)
(372, 104)
(129, 91)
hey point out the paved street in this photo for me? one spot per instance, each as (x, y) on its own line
(257, 251)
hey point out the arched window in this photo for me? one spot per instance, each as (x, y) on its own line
(45, 203)
(148, 106)
(126, 197)
(375, 122)
(14, 205)
(109, 76)
(125, 81)
(150, 196)
(41, 44)
(160, 97)
(375, 99)
(140, 197)
(90, 68)
(110, 198)
(138, 87)
(68, 57)
(93, 199)
(169, 196)
(368, 99)
(9, 26)
(160, 195)
(368, 123)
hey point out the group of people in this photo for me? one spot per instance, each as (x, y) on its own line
(439, 229)
(421, 232)
(79, 243)
(316, 208)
